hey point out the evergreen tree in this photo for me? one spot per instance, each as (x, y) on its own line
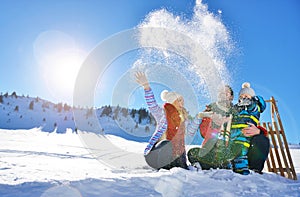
(66, 107)
(31, 105)
(124, 112)
(116, 112)
(14, 94)
(132, 113)
(143, 114)
(147, 129)
(106, 111)
(59, 107)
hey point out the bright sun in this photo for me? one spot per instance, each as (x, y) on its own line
(61, 71)
(60, 60)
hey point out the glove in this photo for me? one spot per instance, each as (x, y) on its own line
(260, 102)
(205, 114)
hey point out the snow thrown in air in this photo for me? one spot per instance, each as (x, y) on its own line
(202, 63)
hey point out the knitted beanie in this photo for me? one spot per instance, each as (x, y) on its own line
(169, 97)
(246, 89)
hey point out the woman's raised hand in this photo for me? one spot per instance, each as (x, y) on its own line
(141, 79)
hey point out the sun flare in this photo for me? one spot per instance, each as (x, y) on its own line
(59, 59)
(62, 70)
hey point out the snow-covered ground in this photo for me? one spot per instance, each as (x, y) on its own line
(35, 163)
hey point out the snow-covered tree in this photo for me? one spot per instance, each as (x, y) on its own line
(31, 105)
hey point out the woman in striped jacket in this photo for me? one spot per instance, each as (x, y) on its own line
(166, 147)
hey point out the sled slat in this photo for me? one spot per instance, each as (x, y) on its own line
(282, 152)
(275, 149)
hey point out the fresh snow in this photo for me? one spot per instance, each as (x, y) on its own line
(37, 159)
(36, 163)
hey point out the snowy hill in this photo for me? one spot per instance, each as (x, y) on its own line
(20, 112)
(294, 146)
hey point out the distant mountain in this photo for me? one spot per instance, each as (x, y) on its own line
(20, 112)
(294, 146)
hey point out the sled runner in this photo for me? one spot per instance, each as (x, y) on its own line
(279, 160)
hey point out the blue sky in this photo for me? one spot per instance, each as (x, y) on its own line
(265, 34)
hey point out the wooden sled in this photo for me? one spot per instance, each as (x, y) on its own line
(279, 160)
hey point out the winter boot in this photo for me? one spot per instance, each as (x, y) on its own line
(240, 165)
